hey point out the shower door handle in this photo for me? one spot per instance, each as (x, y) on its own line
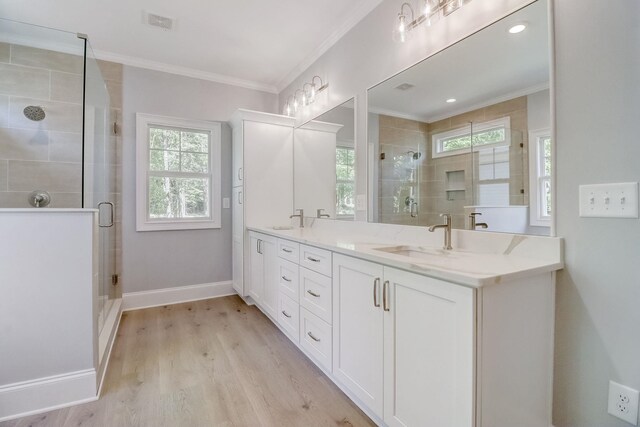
(414, 209)
(111, 216)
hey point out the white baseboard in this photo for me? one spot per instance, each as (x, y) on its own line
(159, 297)
(46, 394)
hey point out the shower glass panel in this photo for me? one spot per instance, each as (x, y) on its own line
(402, 171)
(41, 87)
(100, 177)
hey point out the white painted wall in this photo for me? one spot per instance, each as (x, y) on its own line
(539, 110)
(46, 294)
(367, 55)
(164, 259)
(598, 297)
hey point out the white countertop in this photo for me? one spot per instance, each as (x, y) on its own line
(478, 259)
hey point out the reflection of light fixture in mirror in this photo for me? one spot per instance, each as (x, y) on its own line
(429, 10)
(315, 90)
(287, 108)
(296, 104)
(451, 100)
(518, 28)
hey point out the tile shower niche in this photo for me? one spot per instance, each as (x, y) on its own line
(455, 185)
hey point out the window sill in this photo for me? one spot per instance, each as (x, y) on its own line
(178, 225)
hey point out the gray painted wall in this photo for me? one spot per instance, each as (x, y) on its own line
(598, 107)
(163, 259)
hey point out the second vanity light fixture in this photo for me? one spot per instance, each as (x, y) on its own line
(430, 11)
(305, 96)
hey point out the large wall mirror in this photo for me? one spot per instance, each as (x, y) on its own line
(324, 164)
(468, 130)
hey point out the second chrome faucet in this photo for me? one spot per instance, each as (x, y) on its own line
(300, 215)
(447, 231)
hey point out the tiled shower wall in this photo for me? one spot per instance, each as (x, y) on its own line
(398, 136)
(47, 155)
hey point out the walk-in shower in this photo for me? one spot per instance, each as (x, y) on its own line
(58, 151)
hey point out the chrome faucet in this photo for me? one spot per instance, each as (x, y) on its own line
(319, 214)
(472, 221)
(299, 215)
(447, 231)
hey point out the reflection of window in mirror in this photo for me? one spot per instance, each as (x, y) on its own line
(540, 176)
(345, 182)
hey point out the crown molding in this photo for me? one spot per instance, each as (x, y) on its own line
(363, 8)
(184, 71)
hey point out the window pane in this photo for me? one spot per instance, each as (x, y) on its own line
(195, 141)
(194, 162)
(345, 205)
(489, 136)
(546, 197)
(164, 139)
(456, 143)
(178, 197)
(162, 160)
(345, 173)
(546, 149)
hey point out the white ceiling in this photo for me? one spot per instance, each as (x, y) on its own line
(490, 66)
(259, 44)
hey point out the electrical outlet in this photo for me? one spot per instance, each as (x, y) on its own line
(623, 402)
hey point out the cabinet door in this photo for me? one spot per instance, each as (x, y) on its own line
(256, 269)
(269, 301)
(358, 329)
(237, 241)
(428, 351)
(237, 156)
(268, 173)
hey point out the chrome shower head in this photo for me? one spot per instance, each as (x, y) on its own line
(415, 155)
(34, 113)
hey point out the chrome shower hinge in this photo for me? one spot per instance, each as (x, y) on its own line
(114, 279)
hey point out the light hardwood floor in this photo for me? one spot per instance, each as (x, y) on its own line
(215, 362)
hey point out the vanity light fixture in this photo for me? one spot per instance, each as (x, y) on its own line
(518, 28)
(307, 96)
(430, 10)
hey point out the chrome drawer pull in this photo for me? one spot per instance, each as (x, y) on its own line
(313, 294)
(287, 250)
(286, 279)
(313, 259)
(312, 337)
(286, 315)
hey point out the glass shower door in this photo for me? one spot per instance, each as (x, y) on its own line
(99, 180)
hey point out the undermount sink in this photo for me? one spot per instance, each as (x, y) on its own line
(413, 251)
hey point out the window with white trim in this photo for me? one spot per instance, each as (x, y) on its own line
(178, 166)
(540, 177)
(491, 134)
(345, 182)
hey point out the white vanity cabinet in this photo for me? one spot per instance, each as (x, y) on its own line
(263, 272)
(262, 162)
(409, 349)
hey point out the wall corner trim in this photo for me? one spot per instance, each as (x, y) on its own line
(46, 394)
(176, 295)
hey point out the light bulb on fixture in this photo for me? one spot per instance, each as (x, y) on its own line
(402, 30)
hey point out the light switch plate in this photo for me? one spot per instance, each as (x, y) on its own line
(609, 200)
(361, 202)
(226, 203)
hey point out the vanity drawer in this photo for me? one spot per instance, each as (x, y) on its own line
(316, 259)
(288, 250)
(289, 316)
(315, 338)
(288, 276)
(315, 293)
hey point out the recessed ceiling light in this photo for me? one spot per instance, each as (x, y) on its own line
(451, 100)
(517, 28)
